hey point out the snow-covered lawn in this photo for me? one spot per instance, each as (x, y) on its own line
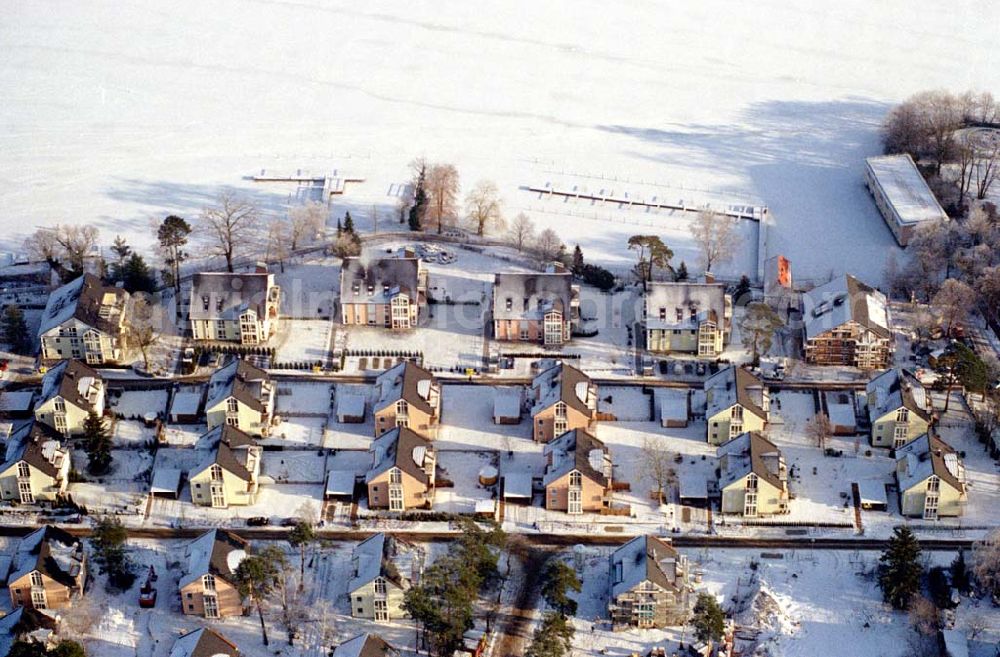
(467, 422)
(302, 340)
(303, 398)
(294, 466)
(135, 404)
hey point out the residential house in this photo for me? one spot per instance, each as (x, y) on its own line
(563, 398)
(27, 625)
(71, 391)
(48, 570)
(649, 582)
(536, 307)
(578, 473)
(208, 587)
(242, 396)
(366, 645)
(902, 195)
(87, 320)
(753, 479)
(409, 396)
(736, 401)
(384, 567)
(931, 479)
(386, 292)
(37, 465)
(204, 642)
(693, 318)
(847, 323)
(402, 473)
(233, 307)
(898, 408)
(229, 473)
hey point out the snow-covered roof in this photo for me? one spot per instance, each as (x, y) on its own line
(577, 450)
(507, 403)
(186, 401)
(379, 280)
(340, 482)
(746, 453)
(517, 485)
(401, 448)
(166, 480)
(694, 302)
(925, 456)
(52, 552)
(840, 408)
(843, 299)
(217, 551)
(956, 643)
(905, 188)
(89, 301)
(671, 404)
(734, 385)
(16, 401)
(529, 296)
(559, 381)
(872, 491)
(74, 381)
(203, 642)
(692, 484)
(895, 389)
(226, 295)
(407, 381)
(350, 404)
(365, 645)
(646, 558)
(383, 556)
(241, 380)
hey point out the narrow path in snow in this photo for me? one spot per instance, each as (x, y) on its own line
(514, 629)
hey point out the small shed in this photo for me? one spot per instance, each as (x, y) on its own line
(350, 408)
(955, 643)
(672, 407)
(487, 509)
(185, 407)
(517, 488)
(873, 495)
(840, 410)
(166, 483)
(692, 489)
(507, 406)
(339, 486)
(16, 404)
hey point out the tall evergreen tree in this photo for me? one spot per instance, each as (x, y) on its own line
(98, 442)
(122, 251)
(15, 330)
(173, 236)
(960, 573)
(708, 620)
(577, 266)
(900, 569)
(108, 543)
(419, 202)
(553, 638)
(302, 535)
(137, 276)
(348, 223)
(257, 577)
(558, 580)
(682, 272)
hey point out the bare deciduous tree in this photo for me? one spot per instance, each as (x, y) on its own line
(522, 229)
(818, 429)
(548, 245)
(924, 616)
(925, 125)
(42, 245)
(986, 164)
(716, 237)
(657, 467)
(279, 241)
(986, 562)
(306, 222)
(145, 320)
(758, 326)
(442, 192)
(483, 206)
(77, 243)
(954, 301)
(229, 226)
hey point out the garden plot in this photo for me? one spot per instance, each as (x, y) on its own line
(302, 340)
(127, 465)
(298, 467)
(467, 422)
(135, 404)
(462, 469)
(183, 435)
(448, 336)
(125, 498)
(297, 398)
(349, 436)
(298, 432)
(274, 501)
(132, 433)
(627, 404)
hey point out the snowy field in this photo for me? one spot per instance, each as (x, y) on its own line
(115, 114)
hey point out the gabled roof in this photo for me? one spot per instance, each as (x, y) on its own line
(644, 558)
(746, 453)
(734, 385)
(578, 450)
(708, 300)
(373, 557)
(406, 381)
(895, 389)
(204, 642)
(842, 300)
(929, 455)
(25, 620)
(218, 552)
(237, 379)
(532, 295)
(228, 295)
(82, 299)
(395, 275)
(51, 551)
(228, 445)
(401, 448)
(70, 379)
(365, 645)
(562, 382)
(39, 446)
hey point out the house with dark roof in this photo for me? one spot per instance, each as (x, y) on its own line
(85, 319)
(898, 408)
(539, 307)
(229, 470)
(48, 571)
(847, 323)
(366, 645)
(36, 465)
(402, 472)
(234, 307)
(71, 391)
(204, 642)
(930, 478)
(240, 395)
(753, 478)
(383, 568)
(693, 318)
(578, 473)
(208, 586)
(384, 292)
(409, 396)
(27, 625)
(735, 401)
(649, 584)
(562, 398)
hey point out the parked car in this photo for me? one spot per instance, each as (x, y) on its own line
(258, 521)
(289, 522)
(147, 596)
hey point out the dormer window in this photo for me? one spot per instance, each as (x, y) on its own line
(663, 313)
(216, 472)
(23, 470)
(356, 287)
(680, 314)
(510, 304)
(204, 302)
(371, 290)
(575, 479)
(218, 305)
(385, 289)
(59, 404)
(526, 301)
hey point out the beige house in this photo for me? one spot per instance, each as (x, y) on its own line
(578, 473)
(48, 571)
(847, 323)
(541, 307)
(234, 307)
(649, 582)
(407, 396)
(71, 391)
(208, 587)
(753, 479)
(563, 398)
(366, 645)
(693, 318)
(387, 292)
(402, 473)
(204, 642)
(384, 567)
(87, 320)
(37, 465)
(930, 478)
(241, 396)
(898, 408)
(230, 471)
(901, 194)
(736, 401)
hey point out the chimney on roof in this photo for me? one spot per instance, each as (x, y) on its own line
(260, 267)
(708, 278)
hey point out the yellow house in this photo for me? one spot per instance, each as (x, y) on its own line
(87, 320)
(563, 398)
(234, 307)
(402, 473)
(241, 396)
(208, 587)
(692, 318)
(536, 307)
(70, 392)
(753, 479)
(48, 570)
(387, 292)
(898, 408)
(578, 473)
(229, 472)
(37, 466)
(736, 401)
(930, 478)
(407, 396)
(384, 567)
